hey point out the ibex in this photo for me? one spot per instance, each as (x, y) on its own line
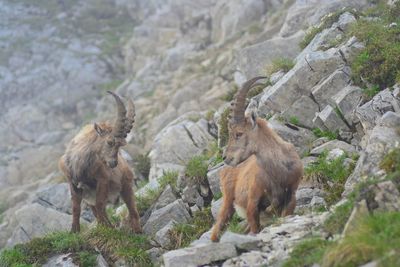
(264, 170)
(95, 170)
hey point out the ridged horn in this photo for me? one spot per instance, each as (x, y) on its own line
(239, 105)
(130, 117)
(118, 130)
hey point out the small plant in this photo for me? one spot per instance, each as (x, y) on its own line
(217, 196)
(370, 92)
(376, 237)
(256, 90)
(255, 28)
(294, 120)
(183, 234)
(234, 224)
(197, 168)
(320, 133)
(143, 164)
(391, 164)
(337, 220)
(310, 34)
(307, 253)
(210, 115)
(231, 94)
(284, 64)
(214, 153)
(223, 128)
(331, 173)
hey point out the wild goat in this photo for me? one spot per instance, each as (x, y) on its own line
(264, 170)
(95, 170)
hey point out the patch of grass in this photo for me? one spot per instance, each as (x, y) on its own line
(111, 85)
(371, 91)
(234, 224)
(143, 164)
(38, 250)
(183, 234)
(214, 153)
(196, 169)
(376, 237)
(144, 202)
(87, 259)
(332, 174)
(379, 63)
(223, 128)
(120, 244)
(277, 64)
(307, 252)
(391, 165)
(337, 220)
(320, 133)
(256, 90)
(210, 115)
(217, 196)
(294, 120)
(310, 34)
(255, 28)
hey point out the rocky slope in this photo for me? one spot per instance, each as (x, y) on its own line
(182, 60)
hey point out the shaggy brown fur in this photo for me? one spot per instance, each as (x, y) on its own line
(265, 170)
(97, 173)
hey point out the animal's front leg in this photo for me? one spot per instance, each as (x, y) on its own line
(101, 202)
(129, 198)
(225, 213)
(76, 199)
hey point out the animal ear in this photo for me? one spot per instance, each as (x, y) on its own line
(252, 119)
(99, 130)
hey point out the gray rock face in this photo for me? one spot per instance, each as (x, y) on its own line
(177, 143)
(162, 236)
(190, 194)
(215, 206)
(304, 109)
(35, 220)
(330, 120)
(308, 71)
(370, 112)
(299, 137)
(64, 260)
(347, 100)
(253, 59)
(166, 197)
(380, 141)
(160, 218)
(242, 242)
(199, 255)
(332, 145)
(214, 179)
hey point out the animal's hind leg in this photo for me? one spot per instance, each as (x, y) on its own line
(129, 198)
(76, 198)
(291, 205)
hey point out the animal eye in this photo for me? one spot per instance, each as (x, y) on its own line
(238, 135)
(110, 142)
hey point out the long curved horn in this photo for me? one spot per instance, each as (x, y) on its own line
(119, 125)
(239, 105)
(130, 117)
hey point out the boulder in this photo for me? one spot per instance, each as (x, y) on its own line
(253, 259)
(199, 255)
(383, 137)
(308, 71)
(167, 196)
(214, 179)
(329, 119)
(370, 112)
(190, 194)
(177, 143)
(63, 260)
(241, 242)
(349, 149)
(215, 207)
(162, 237)
(35, 220)
(160, 218)
(303, 110)
(347, 100)
(336, 81)
(298, 136)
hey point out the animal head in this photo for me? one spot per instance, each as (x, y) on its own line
(242, 141)
(113, 137)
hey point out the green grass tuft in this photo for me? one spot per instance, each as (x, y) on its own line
(379, 63)
(143, 164)
(307, 253)
(331, 173)
(183, 234)
(277, 64)
(377, 237)
(337, 220)
(320, 133)
(223, 128)
(196, 169)
(234, 224)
